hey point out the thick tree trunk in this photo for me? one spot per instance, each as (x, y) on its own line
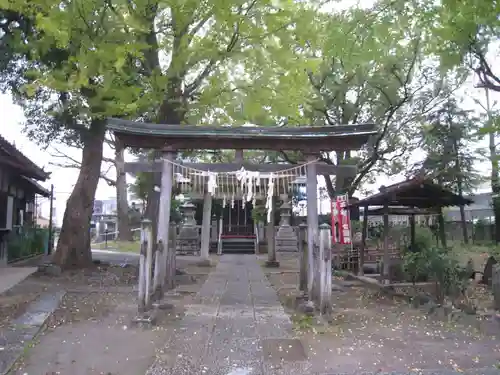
(73, 248)
(124, 230)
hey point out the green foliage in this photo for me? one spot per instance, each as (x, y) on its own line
(446, 139)
(27, 241)
(259, 214)
(141, 187)
(438, 265)
(424, 238)
(373, 69)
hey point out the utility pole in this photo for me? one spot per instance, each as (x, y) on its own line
(50, 245)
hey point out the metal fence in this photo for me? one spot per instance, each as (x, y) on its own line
(26, 241)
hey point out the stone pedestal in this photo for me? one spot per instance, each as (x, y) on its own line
(188, 240)
(286, 238)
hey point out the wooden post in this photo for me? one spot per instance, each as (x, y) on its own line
(171, 263)
(412, 232)
(303, 258)
(164, 218)
(364, 234)
(149, 267)
(325, 270)
(495, 284)
(312, 219)
(145, 266)
(219, 239)
(386, 260)
(238, 156)
(158, 280)
(145, 235)
(271, 237)
(441, 230)
(205, 228)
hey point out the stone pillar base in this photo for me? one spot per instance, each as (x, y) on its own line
(204, 263)
(272, 264)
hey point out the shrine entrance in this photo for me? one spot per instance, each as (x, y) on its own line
(253, 184)
(237, 220)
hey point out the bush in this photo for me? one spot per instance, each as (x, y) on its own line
(439, 266)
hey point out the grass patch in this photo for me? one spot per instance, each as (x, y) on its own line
(123, 246)
(479, 253)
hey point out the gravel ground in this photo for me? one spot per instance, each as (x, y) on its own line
(377, 334)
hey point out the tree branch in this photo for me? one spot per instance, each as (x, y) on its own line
(72, 163)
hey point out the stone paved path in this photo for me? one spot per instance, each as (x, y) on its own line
(237, 326)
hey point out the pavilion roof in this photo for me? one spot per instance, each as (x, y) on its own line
(400, 211)
(301, 138)
(415, 192)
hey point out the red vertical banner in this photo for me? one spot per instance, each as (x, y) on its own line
(341, 222)
(335, 214)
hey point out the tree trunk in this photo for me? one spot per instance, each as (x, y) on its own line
(464, 224)
(495, 183)
(124, 230)
(462, 213)
(73, 248)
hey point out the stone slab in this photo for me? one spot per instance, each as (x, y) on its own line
(283, 350)
(17, 336)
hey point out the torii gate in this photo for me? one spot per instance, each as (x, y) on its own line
(310, 141)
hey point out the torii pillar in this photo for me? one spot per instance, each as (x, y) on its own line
(164, 220)
(205, 229)
(312, 226)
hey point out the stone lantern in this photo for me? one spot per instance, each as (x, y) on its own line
(189, 238)
(286, 213)
(188, 211)
(286, 238)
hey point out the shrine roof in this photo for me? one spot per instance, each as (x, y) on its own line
(12, 157)
(176, 137)
(415, 192)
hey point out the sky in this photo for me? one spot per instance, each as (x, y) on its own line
(64, 179)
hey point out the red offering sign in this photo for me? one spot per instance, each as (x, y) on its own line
(341, 222)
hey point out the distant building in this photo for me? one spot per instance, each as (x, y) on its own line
(104, 218)
(481, 209)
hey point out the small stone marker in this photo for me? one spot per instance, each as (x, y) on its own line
(495, 283)
(488, 270)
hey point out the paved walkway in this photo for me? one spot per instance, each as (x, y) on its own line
(10, 276)
(236, 327)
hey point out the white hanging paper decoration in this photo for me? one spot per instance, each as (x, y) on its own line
(269, 200)
(243, 184)
(212, 183)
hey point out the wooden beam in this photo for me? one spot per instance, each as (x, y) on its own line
(312, 144)
(136, 167)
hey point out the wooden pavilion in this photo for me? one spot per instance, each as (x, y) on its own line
(415, 196)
